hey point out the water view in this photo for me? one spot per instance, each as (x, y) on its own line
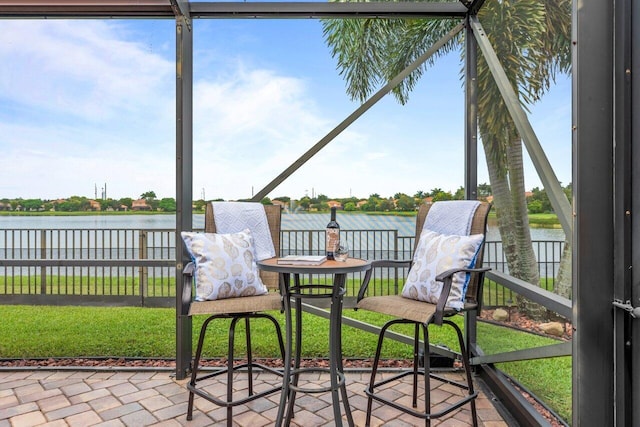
(404, 225)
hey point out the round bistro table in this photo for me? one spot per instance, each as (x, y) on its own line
(297, 292)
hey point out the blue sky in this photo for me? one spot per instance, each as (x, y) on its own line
(89, 102)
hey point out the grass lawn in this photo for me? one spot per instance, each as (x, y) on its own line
(544, 220)
(131, 332)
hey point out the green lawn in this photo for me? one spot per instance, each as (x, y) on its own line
(87, 284)
(130, 332)
(545, 220)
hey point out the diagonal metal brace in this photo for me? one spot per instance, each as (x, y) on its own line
(626, 306)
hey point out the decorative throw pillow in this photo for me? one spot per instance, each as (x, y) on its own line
(435, 254)
(225, 265)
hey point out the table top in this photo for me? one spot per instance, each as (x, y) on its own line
(351, 265)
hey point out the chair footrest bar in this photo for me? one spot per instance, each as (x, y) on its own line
(369, 391)
(224, 370)
(305, 291)
(297, 372)
(423, 415)
(229, 404)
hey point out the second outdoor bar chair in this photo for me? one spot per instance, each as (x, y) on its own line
(445, 278)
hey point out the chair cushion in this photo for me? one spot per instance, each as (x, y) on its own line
(225, 265)
(434, 254)
(397, 306)
(252, 304)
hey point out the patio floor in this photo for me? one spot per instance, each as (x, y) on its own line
(74, 397)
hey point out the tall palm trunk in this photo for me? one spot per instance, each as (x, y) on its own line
(562, 283)
(524, 248)
(511, 210)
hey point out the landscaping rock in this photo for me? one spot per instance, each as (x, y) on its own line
(552, 328)
(500, 315)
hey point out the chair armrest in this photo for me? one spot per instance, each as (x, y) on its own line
(447, 278)
(187, 286)
(379, 263)
(189, 269)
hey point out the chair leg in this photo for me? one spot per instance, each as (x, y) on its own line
(230, 370)
(196, 366)
(464, 351)
(297, 356)
(427, 415)
(249, 355)
(426, 372)
(416, 344)
(278, 332)
(231, 367)
(374, 372)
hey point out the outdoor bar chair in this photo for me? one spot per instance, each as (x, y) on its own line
(444, 279)
(228, 285)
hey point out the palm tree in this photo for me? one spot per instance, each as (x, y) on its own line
(532, 40)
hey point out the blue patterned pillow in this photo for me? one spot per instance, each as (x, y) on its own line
(225, 265)
(435, 254)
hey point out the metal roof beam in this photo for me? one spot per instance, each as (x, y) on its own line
(171, 8)
(86, 9)
(326, 10)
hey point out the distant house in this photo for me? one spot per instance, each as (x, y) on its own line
(95, 205)
(5, 206)
(140, 205)
(334, 204)
(361, 203)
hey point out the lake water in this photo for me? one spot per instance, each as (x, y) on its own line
(404, 225)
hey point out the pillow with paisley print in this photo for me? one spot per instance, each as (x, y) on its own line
(435, 254)
(225, 265)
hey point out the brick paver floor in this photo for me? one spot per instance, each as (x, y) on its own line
(57, 398)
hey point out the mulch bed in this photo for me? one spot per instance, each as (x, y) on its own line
(81, 362)
(521, 322)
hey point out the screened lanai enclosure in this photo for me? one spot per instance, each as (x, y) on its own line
(600, 223)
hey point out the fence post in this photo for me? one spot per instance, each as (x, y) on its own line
(43, 255)
(143, 272)
(395, 256)
(310, 248)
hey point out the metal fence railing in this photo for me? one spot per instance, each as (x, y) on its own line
(137, 266)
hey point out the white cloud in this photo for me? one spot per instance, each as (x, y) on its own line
(249, 126)
(79, 68)
(80, 106)
(83, 103)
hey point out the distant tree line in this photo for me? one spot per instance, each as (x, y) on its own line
(537, 202)
(147, 201)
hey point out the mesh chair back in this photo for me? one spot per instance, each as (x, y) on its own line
(478, 226)
(274, 219)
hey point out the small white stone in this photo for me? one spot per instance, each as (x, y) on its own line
(500, 315)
